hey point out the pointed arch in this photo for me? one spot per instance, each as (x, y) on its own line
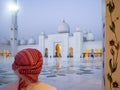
(71, 52)
(58, 50)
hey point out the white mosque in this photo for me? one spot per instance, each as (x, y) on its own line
(61, 44)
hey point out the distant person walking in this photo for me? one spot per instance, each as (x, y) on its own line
(28, 65)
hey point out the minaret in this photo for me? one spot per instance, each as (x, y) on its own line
(42, 43)
(14, 28)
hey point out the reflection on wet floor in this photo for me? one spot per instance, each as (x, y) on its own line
(55, 67)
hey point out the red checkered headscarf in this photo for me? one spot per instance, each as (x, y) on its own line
(28, 63)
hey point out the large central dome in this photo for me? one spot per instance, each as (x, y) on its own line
(63, 27)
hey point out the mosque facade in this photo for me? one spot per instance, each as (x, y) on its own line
(63, 44)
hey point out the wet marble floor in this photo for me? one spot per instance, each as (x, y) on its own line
(63, 73)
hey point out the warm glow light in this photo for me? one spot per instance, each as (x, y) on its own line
(13, 7)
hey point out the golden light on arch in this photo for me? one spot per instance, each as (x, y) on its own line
(71, 52)
(58, 50)
(58, 47)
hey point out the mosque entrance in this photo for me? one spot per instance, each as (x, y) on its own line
(58, 50)
(70, 52)
(46, 52)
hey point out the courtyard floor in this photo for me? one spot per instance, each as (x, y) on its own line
(62, 73)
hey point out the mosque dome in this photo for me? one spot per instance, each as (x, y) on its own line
(90, 36)
(77, 29)
(31, 41)
(42, 33)
(22, 42)
(63, 27)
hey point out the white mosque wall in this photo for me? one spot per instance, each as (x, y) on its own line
(65, 41)
(92, 45)
(81, 43)
(61, 39)
(47, 44)
(71, 42)
(77, 41)
(42, 44)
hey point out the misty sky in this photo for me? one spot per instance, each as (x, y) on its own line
(36, 16)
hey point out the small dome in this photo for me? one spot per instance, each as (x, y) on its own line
(63, 27)
(78, 29)
(22, 42)
(31, 41)
(42, 33)
(90, 36)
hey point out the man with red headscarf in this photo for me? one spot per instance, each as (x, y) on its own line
(27, 65)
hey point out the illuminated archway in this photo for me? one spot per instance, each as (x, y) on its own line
(6, 53)
(87, 53)
(101, 52)
(96, 52)
(58, 50)
(70, 52)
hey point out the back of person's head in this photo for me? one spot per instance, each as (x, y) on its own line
(27, 64)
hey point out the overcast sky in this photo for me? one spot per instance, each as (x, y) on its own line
(36, 16)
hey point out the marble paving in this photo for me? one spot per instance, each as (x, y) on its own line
(63, 73)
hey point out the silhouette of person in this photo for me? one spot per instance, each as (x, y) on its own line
(28, 65)
(92, 53)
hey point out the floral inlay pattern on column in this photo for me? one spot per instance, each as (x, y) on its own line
(114, 44)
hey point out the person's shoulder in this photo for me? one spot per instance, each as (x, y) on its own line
(43, 86)
(46, 86)
(10, 86)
